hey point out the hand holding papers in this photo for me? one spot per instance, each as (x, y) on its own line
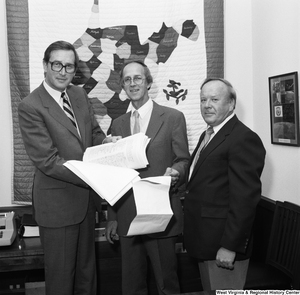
(152, 205)
(127, 152)
(109, 182)
(108, 168)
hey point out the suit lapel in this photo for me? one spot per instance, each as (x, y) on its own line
(193, 155)
(55, 110)
(154, 124)
(125, 127)
(196, 148)
(156, 120)
(215, 142)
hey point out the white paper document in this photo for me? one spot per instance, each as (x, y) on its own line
(127, 152)
(152, 205)
(109, 168)
(109, 182)
(31, 231)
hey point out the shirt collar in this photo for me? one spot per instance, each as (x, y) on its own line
(54, 93)
(144, 109)
(218, 127)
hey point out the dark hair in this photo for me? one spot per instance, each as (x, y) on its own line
(231, 91)
(60, 45)
(147, 73)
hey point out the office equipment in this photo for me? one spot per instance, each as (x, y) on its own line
(20, 263)
(8, 229)
(28, 227)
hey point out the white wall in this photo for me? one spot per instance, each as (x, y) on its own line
(5, 117)
(261, 40)
(276, 51)
(238, 55)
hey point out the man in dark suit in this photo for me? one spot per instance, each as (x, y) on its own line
(63, 208)
(167, 154)
(223, 188)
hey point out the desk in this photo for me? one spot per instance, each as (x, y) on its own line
(23, 254)
(19, 263)
(23, 261)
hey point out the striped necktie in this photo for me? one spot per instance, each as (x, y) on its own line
(136, 126)
(68, 109)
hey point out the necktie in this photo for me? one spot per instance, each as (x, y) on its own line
(202, 146)
(68, 109)
(204, 142)
(136, 126)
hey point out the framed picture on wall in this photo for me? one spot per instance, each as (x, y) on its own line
(284, 109)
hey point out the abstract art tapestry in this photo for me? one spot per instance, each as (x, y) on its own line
(182, 42)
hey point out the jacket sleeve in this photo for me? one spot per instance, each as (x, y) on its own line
(245, 164)
(180, 146)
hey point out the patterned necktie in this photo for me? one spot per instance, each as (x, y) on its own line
(203, 144)
(208, 133)
(68, 109)
(136, 126)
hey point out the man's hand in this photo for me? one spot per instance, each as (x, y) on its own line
(225, 258)
(111, 231)
(174, 175)
(111, 139)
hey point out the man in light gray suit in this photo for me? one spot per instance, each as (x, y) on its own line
(63, 207)
(167, 154)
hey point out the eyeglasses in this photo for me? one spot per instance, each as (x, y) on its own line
(57, 66)
(138, 80)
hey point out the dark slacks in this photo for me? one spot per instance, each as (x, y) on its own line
(161, 253)
(69, 253)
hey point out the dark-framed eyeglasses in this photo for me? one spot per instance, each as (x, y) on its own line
(57, 66)
(138, 80)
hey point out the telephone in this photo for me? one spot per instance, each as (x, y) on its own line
(8, 229)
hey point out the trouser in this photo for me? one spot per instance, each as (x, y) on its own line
(161, 253)
(69, 255)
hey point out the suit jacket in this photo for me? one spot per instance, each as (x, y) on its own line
(223, 192)
(60, 198)
(168, 147)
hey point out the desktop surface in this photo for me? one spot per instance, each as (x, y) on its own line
(22, 254)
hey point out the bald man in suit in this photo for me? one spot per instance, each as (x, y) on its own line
(63, 207)
(223, 188)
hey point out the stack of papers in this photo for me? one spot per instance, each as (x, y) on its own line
(29, 227)
(129, 152)
(153, 209)
(109, 170)
(109, 182)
